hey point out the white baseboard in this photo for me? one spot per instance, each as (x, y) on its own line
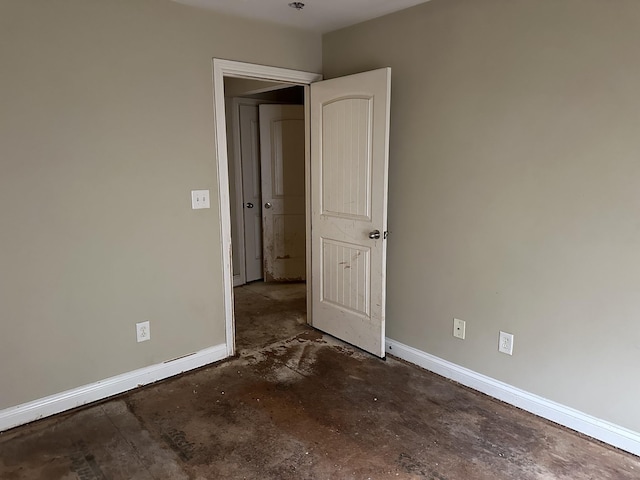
(60, 402)
(602, 430)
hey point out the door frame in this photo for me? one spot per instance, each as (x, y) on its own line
(230, 68)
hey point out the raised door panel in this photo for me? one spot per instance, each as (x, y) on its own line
(346, 158)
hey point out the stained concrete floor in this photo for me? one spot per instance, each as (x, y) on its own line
(299, 405)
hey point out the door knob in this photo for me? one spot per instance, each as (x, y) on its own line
(267, 205)
(375, 235)
(249, 205)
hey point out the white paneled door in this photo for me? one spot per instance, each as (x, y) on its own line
(251, 194)
(349, 163)
(282, 146)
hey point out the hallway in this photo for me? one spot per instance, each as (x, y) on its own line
(296, 404)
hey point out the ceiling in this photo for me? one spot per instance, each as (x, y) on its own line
(317, 15)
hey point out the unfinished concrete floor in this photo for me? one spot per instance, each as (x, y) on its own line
(298, 405)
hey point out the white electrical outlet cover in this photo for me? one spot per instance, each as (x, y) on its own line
(459, 327)
(143, 331)
(505, 343)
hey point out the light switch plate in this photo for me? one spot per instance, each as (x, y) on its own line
(200, 199)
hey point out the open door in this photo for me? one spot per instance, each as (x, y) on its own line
(349, 164)
(283, 192)
(249, 137)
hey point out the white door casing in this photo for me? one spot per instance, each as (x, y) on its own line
(349, 164)
(251, 190)
(282, 145)
(230, 68)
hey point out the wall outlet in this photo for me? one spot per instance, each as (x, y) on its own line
(505, 344)
(143, 331)
(200, 199)
(459, 327)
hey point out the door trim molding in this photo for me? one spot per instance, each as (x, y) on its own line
(229, 68)
(599, 429)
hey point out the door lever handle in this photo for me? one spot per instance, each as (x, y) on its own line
(375, 235)
(249, 205)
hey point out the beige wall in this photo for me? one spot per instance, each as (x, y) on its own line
(514, 198)
(106, 124)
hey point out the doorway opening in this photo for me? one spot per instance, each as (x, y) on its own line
(271, 79)
(265, 148)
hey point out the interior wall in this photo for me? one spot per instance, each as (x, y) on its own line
(106, 125)
(513, 197)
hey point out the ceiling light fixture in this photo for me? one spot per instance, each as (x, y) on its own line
(297, 5)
